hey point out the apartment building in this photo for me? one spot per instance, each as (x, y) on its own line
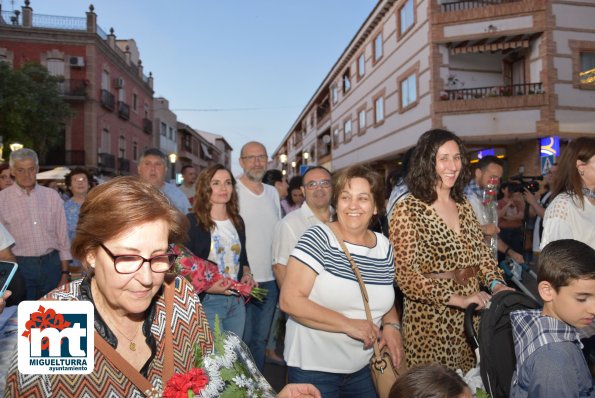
(195, 149)
(502, 74)
(102, 81)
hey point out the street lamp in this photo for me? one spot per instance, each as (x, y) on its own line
(293, 164)
(306, 156)
(15, 146)
(172, 159)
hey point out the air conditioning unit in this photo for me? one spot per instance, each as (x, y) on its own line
(119, 82)
(77, 62)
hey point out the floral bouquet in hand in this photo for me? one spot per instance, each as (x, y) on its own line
(228, 372)
(203, 274)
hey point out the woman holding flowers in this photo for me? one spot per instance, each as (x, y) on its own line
(148, 324)
(217, 234)
(329, 341)
(441, 259)
(123, 235)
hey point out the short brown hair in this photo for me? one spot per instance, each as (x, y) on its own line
(565, 260)
(118, 205)
(374, 179)
(428, 381)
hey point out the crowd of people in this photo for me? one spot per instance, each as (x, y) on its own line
(287, 237)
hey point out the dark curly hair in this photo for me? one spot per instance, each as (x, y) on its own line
(75, 171)
(202, 200)
(422, 177)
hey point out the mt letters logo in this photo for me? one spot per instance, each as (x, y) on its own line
(56, 337)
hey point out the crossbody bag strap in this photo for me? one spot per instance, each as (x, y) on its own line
(358, 275)
(126, 368)
(168, 365)
(123, 365)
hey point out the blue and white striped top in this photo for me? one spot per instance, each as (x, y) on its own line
(335, 287)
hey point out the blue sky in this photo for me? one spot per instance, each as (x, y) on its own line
(268, 56)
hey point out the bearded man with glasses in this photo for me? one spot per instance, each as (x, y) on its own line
(260, 208)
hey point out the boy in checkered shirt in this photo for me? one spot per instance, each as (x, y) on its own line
(546, 342)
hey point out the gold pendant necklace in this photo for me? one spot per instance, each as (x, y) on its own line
(132, 344)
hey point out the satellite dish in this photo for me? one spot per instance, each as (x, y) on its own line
(326, 139)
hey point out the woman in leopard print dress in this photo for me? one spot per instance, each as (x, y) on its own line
(441, 257)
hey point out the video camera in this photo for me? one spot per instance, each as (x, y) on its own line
(531, 183)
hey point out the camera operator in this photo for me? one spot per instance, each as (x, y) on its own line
(538, 206)
(488, 168)
(511, 212)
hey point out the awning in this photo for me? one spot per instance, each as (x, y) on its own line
(494, 44)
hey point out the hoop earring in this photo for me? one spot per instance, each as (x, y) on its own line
(582, 173)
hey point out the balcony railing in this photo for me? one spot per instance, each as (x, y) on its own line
(107, 100)
(73, 88)
(495, 91)
(123, 165)
(322, 111)
(65, 158)
(470, 4)
(59, 22)
(123, 110)
(148, 126)
(106, 161)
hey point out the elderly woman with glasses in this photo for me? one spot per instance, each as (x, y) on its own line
(123, 235)
(147, 322)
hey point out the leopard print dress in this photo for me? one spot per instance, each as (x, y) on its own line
(423, 243)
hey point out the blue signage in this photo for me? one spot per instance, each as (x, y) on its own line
(550, 146)
(485, 152)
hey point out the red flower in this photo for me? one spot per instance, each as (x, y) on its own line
(179, 385)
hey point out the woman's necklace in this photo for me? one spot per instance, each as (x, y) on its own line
(132, 345)
(588, 193)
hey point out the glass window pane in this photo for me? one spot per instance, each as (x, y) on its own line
(378, 47)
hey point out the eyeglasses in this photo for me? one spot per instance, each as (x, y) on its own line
(252, 158)
(314, 184)
(130, 263)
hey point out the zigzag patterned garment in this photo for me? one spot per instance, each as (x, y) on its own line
(189, 326)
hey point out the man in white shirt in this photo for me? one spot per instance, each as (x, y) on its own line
(488, 168)
(260, 209)
(151, 169)
(317, 189)
(188, 184)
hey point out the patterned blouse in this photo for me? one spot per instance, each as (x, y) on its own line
(424, 244)
(189, 326)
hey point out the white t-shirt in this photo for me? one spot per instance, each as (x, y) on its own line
(565, 219)
(260, 214)
(289, 230)
(225, 248)
(336, 288)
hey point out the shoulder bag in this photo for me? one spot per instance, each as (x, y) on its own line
(383, 372)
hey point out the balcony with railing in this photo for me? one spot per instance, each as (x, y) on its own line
(65, 158)
(106, 161)
(123, 110)
(471, 4)
(73, 89)
(123, 166)
(482, 98)
(494, 91)
(108, 101)
(148, 126)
